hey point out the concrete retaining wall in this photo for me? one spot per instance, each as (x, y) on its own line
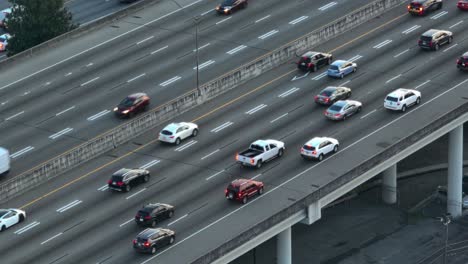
(125, 132)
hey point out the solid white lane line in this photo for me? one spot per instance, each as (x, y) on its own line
(320, 76)
(134, 78)
(98, 115)
(368, 114)
(60, 133)
(422, 84)
(278, 118)
(173, 79)
(90, 81)
(189, 144)
(206, 156)
(21, 152)
(263, 18)
(256, 109)
(205, 64)
(268, 34)
(411, 29)
(234, 50)
(150, 164)
(380, 45)
(103, 188)
(288, 92)
(158, 50)
(403, 52)
(214, 175)
(57, 235)
(396, 77)
(355, 58)
(66, 110)
(206, 12)
(177, 220)
(126, 222)
(140, 191)
(325, 7)
(221, 21)
(436, 16)
(15, 115)
(342, 84)
(146, 39)
(204, 46)
(26, 228)
(456, 24)
(454, 45)
(221, 127)
(298, 20)
(68, 206)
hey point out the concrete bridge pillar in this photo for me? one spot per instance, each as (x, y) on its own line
(389, 185)
(455, 172)
(283, 247)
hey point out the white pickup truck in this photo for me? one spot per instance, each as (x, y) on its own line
(260, 151)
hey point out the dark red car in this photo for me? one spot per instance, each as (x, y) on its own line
(462, 62)
(242, 189)
(462, 4)
(132, 104)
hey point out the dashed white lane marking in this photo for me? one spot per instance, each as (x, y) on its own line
(206, 156)
(221, 21)
(401, 53)
(206, 12)
(288, 92)
(355, 58)
(133, 195)
(150, 164)
(268, 34)
(158, 50)
(64, 111)
(205, 64)
(237, 49)
(98, 115)
(26, 228)
(278, 118)
(90, 81)
(68, 74)
(368, 114)
(256, 176)
(424, 83)
(103, 188)
(263, 18)
(454, 45)
(325, 7)
(57, 235)
(380, 45)
(221, 127)
(68, 206)
(136, 77)
(411, 29)
(204, 46)
(177, 220)
(89, 64)
(436, 16)
(21, 152)
(456, 24)
(214, 175)
(185, 146)
(146, 39)
(256, 109)
(15, 115)
(320, 76)
(126, 222)
(396, 77)
(342, 84)
(298, 20)
(26, 93)
(4, 103)
(173, 79)
(60, 133)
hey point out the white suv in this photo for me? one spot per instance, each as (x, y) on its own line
(318, 147)
(401, 98)
(176, 132)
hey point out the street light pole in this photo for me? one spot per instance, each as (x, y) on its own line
(446, 221)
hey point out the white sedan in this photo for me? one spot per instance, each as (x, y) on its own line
(176, 132)
(9, 217)
(4, 41)
(318, 147)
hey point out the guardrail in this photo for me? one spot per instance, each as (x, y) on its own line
(123, 133)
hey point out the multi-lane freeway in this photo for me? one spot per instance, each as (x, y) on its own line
(74, 219)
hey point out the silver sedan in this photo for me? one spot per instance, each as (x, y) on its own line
(343, 109)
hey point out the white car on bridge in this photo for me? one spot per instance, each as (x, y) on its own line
(401, 99)
(10, 217)
(319, 147)
(176, 132)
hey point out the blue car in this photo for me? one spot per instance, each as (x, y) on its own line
(341, 68)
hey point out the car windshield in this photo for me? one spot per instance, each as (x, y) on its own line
(335, 108)
(425, 38)
(2, 213)
(326, 93)
(228, 2)
(127, 101)
(392, 99)
(166, 132)
(307, 147)
(117, 178)
(334, 67)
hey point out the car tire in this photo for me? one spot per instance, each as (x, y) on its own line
(171, 240)
(244, 200)
(330, 60)
(280, 152)
(128, 188)
(418, 100)
(354, 69)
(21, 218)
(348, 95)
(403, 108)
(177, 141)
(153, 250)
(335, 149)
(439, 6)
(171, 214)
(437, 46)
(260, 192)
(3, 228)
(359, 109)
(259, 164)
(195, 132)
(450, 40)
(344, 118)
(146, 178)
(153, 223)
(315, 68)
(320, 157)
(342, 76)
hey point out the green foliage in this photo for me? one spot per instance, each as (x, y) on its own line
(35, 21)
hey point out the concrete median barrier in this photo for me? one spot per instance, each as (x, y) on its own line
(125, 132)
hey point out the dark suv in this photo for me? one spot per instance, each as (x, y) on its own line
(422, 7)
(243, 189)
(434, 38)
(312, 61)
(152, 238)
(462, 62)
(150, 214)
(124, 179)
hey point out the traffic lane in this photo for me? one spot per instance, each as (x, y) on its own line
(86, 11)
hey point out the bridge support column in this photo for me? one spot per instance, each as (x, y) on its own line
(283, 247)
(389, 185)
(455, 172)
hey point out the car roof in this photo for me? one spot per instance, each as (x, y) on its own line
(314, 142)
(152, 206)
(136, 95)
(399, 92)
(341, 103)
(239, 182)
(148, 232)
(418, 1)
(431, 32)
(330, 88)
(173, 126)
(339, 62)
(122, 172)
(310, 54)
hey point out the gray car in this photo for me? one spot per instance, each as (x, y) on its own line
(331, 94)
(343, 109)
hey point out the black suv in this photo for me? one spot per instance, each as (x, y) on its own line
(462, 62)
(124, 179)
(152, 238)
(434, 38)
(150, 214)
(422, 7)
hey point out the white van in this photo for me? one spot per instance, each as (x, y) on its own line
(4, 161)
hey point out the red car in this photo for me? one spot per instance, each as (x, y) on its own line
(242, 189)
(132, 104)
(462, 4)
(462, 62)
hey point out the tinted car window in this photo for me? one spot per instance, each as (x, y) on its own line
(333, 67)
(228, 2)
(425, 38)
(335, 108)
(392, 99)
(2, 39)
(233, 188)
(326, 92)
(143, 213)
(166, 132)
(2, 213)
(415, 5)
(306, 147)
(127, 101)
(304, 59)
(256, 147)
(117, 178)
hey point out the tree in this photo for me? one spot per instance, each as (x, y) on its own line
(32, 22)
